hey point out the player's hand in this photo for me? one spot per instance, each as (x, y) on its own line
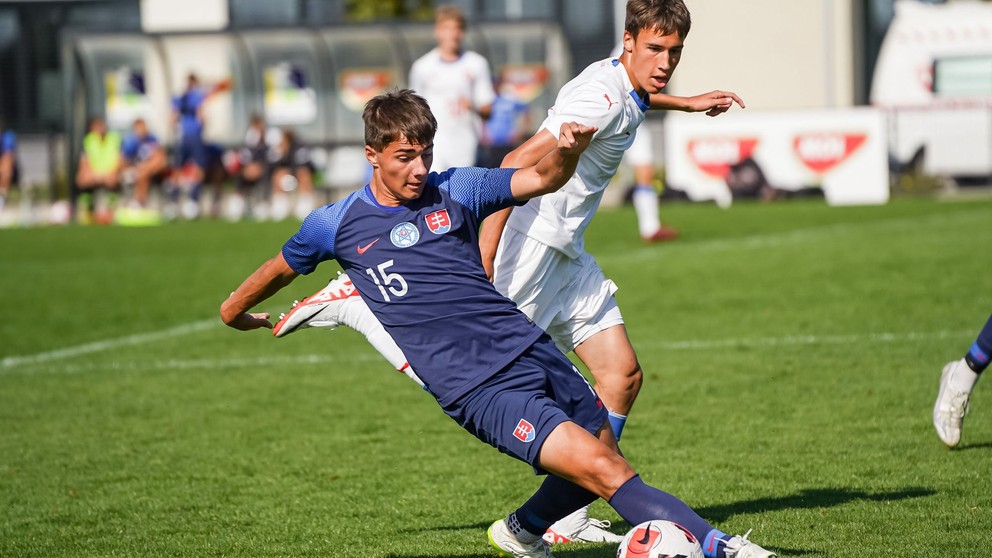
(574, 138)
(248, 321)
(714, 103)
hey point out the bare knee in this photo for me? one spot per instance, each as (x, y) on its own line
(606, 473)
(618, 386)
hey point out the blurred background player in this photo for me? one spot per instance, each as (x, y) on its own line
(8, 162)
(644, 196)
(292, 177)
(144, 163)
(99, 175)
(957, 380)
(192, 154)
(502, 132)
(457, 84)
(250, 167)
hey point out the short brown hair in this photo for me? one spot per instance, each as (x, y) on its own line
(664, 16)
(447, 12)
(398, 113)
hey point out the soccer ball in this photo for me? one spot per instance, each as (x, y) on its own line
(659, 539)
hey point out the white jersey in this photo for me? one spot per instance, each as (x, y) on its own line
(602, 96)
(447, 86)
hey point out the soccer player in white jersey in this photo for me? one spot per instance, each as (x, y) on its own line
(457, 84)
(540, 262)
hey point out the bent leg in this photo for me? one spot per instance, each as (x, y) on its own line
(585, 467)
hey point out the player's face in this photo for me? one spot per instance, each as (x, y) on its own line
(400, 171)
(449, 34)
(651, 58)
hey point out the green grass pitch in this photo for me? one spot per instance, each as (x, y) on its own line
(791, 353)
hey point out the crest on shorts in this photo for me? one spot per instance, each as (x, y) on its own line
(404, 235)
(524, 431)
(438, 222)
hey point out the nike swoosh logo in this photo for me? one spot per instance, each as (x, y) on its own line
(647, 535)
(363, 249)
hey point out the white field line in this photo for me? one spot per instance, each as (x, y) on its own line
(107, 344)
(367, 355)
(154, 365)
(798, 340)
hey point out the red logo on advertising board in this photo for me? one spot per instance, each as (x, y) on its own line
(715, 156)
(359, 85)
(822, 151)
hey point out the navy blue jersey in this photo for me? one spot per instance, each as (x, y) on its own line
(419, 270)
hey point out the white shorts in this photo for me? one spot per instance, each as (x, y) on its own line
(570, 298)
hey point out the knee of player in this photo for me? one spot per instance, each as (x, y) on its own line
(609, 473)
(626, 379)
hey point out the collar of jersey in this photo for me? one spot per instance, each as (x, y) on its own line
(367, 194)
(642, 103)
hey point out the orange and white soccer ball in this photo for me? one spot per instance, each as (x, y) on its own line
(659, 539)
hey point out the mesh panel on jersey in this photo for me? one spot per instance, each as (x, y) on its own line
(484, 191)
(314, 242)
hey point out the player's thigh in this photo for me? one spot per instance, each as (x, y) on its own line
(587, 304)
(518, 408)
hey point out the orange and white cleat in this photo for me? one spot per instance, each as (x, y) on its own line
(321, 309)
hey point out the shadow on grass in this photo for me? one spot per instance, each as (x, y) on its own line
(978, 446)
(806, 499)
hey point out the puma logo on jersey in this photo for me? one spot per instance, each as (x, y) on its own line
(363, 249)
(607, 97)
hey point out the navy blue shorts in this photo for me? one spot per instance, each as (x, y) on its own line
(516, 409)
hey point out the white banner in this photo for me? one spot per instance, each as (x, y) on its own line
(842, 152)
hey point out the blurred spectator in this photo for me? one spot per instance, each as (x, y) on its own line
(250, 167)
(292, 172)
(503, 131)
(99, 174)
(457, 85)
(192, 154)
(8, 162)
(145, 161)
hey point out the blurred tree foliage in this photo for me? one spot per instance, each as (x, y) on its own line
(370, 10)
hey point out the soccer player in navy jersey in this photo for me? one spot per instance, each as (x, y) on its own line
(409, 241)
(957, 379)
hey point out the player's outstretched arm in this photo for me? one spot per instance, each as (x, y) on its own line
(713, 103)
(555, 168)
(265, 282)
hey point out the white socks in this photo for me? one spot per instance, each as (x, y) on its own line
(645, 200)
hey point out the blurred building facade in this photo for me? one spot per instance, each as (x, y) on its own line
(779, 54)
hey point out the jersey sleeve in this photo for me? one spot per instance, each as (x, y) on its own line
(483, 191)
(314, 242)
(586, 105)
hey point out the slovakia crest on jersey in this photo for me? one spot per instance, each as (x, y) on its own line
(404, 235)
(524, 431)
(439, 222)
